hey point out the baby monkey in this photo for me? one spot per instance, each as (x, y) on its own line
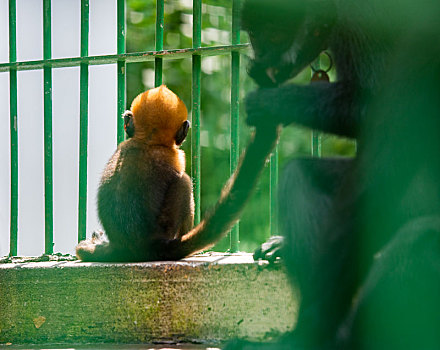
(144, 197)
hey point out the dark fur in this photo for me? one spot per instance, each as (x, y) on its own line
(148, 196)
(337, 215)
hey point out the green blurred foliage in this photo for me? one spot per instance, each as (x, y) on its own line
(215, 102)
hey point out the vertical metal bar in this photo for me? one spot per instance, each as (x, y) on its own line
(121, 71)
(273, 222)
(195, 130)
(273, 189)
(159, 42)
(235, 92)
(48, 154)
(316, 142)
(13, 240)
(83, 124)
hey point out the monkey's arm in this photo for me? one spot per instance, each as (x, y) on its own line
(329, 107)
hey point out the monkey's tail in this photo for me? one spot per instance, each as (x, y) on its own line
(233, 198)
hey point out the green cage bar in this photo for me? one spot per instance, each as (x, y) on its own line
(13, 235)
(121, 71)
(235, 95)
(83, 123)
(158, 61)
(273, 191)
(196, 91)
(316, 142)
(132, 57)
(48, 154)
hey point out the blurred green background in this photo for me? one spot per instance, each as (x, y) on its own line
(215, 102)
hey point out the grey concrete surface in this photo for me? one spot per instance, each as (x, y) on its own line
(205, 299)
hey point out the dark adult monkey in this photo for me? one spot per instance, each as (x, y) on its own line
(318, 197)
(373, 218)
(145, 201)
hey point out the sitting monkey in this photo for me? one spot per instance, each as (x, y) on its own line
(144, 196)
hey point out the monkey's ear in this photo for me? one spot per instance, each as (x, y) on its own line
(128, 123)
(182, 132)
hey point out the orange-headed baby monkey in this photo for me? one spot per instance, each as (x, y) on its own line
(145, 196)
(145, 200)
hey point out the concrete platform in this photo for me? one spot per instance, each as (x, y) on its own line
(204, 299)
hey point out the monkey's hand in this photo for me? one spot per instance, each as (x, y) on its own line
(259, 108)
(270, 250)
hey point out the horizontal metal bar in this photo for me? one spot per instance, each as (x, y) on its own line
(127, 57)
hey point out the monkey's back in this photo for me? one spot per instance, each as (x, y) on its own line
(132, 192)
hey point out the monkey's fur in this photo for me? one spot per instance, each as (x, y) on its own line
(145, 200)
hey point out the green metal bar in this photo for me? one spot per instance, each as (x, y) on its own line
(83, 124)
(121, 71)
(196, 92)
(13, 240)
(316, 142)
(84, 28)
(197, 23)
(273, 222)
(133, 57)
(48, 154)
(273, 190)
(235, 93)
(195, 134)
(158, 61)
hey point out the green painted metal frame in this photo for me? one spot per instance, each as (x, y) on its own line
(13, 128)
(316, 141)
(273, 193)
(158, 61)
(48, 153)
(235, 109)
(83, 127)
(195, 107)
(132, 57)
(121, 75)
(121, 58)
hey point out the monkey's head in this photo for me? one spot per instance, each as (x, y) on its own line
(157, 116)
(286, 36)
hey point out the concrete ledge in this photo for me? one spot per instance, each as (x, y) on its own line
(207, 298)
